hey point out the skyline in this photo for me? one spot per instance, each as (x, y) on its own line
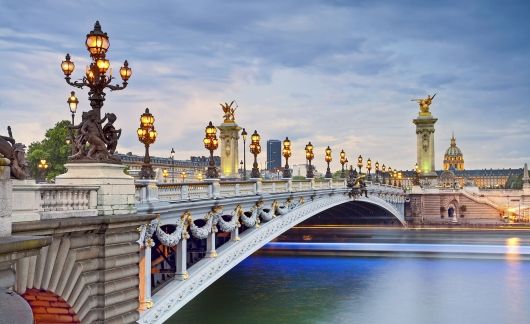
(290, 62)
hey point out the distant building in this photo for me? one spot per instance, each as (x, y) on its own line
(453, 158)
(190, 170)
(274, 154)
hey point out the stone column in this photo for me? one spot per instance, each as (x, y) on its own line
(425, 144)
(210, 246)
(229, 136)
(181, 257)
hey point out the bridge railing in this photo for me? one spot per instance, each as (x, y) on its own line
(48, 201)
(214, 188)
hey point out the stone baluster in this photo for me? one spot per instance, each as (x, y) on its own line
(181, 257)
(210, 246)
(258, 186)
(184, 192)
(237, 189)
(214, 188)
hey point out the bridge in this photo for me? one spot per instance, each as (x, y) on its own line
(236, 219)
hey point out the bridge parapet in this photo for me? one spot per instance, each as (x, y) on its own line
(49, 201)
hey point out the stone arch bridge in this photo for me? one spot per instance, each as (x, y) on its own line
(243, 215)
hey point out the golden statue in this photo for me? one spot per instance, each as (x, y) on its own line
(229, 112)
(424, 104)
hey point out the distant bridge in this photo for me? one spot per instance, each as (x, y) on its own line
(244, 216)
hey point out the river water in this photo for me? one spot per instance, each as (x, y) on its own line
(356, 289)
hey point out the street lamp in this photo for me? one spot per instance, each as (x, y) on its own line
(165, 174)
(328, 159)
(400, 178)
(309, 155)
(416, 180)
(390, 174)
(244, 135)
(255, 149)
(147, 135)
(72, 104)
(97, 80)
(342, 161)
(360, 163)
(377, 171)
(211, 143)
(43, 166)
(286, 154)
(183, 176)
(369, 167)
(383, 173)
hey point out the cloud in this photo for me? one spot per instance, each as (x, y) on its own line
(338, 73)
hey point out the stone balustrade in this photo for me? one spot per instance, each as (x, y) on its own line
(49, 201)
(208, 189)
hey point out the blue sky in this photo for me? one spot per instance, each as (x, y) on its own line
(338, 73)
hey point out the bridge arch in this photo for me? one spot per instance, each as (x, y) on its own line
(173, 296)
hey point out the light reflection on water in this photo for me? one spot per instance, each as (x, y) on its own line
(291, 289)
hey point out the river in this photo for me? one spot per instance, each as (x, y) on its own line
(357, 289)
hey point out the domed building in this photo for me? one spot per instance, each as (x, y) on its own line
(453, 158)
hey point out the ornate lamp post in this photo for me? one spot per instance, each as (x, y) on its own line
(172, 165)
(390, 174)
(165, 174)
(369, 167)
(395, 176)
(102, 141)
(286, 154)
(211, 143)
(309, 155)
(255, 149)
(342, 161)
(328, 159)
(43, 166)
(360, 163)
(377, 171)
(383, 173)
(244, 135)
(147, 135)
(72, 104)
(400, 178)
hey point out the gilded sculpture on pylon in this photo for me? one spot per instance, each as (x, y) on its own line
(425, 104)
(228, 111)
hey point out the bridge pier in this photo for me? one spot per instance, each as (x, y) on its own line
(181, 255)
(210, 246)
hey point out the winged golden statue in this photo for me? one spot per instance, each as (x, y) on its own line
(228, 111)
(424, 103)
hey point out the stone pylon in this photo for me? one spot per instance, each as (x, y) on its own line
(229, 136)
(425, 144)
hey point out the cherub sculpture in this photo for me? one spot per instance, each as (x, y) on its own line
(16, 153)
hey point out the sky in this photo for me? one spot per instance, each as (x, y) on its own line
(338, 73)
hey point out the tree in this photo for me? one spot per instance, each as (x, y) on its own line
(53, 148)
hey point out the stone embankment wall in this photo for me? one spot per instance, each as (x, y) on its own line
(433, 208)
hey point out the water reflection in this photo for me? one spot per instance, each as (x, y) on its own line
(288, 289)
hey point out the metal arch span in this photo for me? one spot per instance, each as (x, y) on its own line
(168, 300)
